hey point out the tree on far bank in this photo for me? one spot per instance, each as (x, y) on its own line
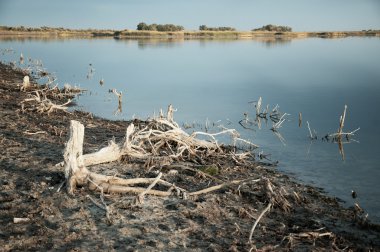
(221, 28)
(142, 26)
(274, 28)
(159, 27)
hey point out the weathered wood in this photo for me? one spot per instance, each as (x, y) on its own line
(145, 143)
(341, 120)
(75, 171)
(257, 221)
(25, 83)
(340, 132)
(258, 106)
(107, 154)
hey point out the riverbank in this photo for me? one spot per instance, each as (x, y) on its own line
(31, 144)
(120, 34)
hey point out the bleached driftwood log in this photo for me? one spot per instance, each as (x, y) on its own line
(76, 172)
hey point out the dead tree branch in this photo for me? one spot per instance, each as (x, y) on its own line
(257, 221)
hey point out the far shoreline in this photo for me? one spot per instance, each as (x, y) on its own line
(6, 32)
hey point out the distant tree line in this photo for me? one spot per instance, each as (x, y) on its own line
(159, 27)
(275, 28)
(221, 28)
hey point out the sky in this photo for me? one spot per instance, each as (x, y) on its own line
(301, 15)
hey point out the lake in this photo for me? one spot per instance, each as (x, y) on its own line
(214, 82)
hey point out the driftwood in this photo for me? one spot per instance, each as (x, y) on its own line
(154, 140)
(311, 236)
(160, 138)
(119, 96)
(311, 135)
(340, 134)
(25, 83)
(275, 116)
(257, 221)
(20, 220)
(41, 104)
(69, 89)
(278, 124)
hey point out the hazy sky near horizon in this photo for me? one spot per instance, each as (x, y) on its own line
(301, 15)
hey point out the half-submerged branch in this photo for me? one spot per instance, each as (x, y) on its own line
(340, 132)
(338, 136)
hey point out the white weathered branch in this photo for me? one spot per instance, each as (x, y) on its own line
(25, 83)
(341, 125)
(257, 221)
(75, 171)
(105, 155)
(258, 106)
(344, 133)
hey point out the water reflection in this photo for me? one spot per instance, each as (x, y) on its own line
(90, 72)
(274, 42)
(159, 43)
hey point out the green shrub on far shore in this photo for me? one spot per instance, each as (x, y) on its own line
(274, 28)
(159, 27)
(221, 28)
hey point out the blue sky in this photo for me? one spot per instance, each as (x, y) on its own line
(301, 15)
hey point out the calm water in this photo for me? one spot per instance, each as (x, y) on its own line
(214, 81)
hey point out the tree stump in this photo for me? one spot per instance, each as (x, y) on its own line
(75, 171)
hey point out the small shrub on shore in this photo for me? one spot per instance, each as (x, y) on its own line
(221, 28)
(274, 28)
(159, 27)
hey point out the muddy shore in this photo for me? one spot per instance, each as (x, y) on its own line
(31, 144)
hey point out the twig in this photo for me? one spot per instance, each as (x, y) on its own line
(278, 124)
(96, 203)
(341, 120)
(140, 197)
(34, 133)
(246, 142)
(217, 187)
(20, 220)
(341, 125)
(311, 134)
(258, 106)
(308, 235)
(257, 221)
(344, 133)
(62, 184)
(101, 198)
(214, 188)
(118, 94)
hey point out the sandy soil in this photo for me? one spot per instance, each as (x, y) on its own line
(217, 221)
